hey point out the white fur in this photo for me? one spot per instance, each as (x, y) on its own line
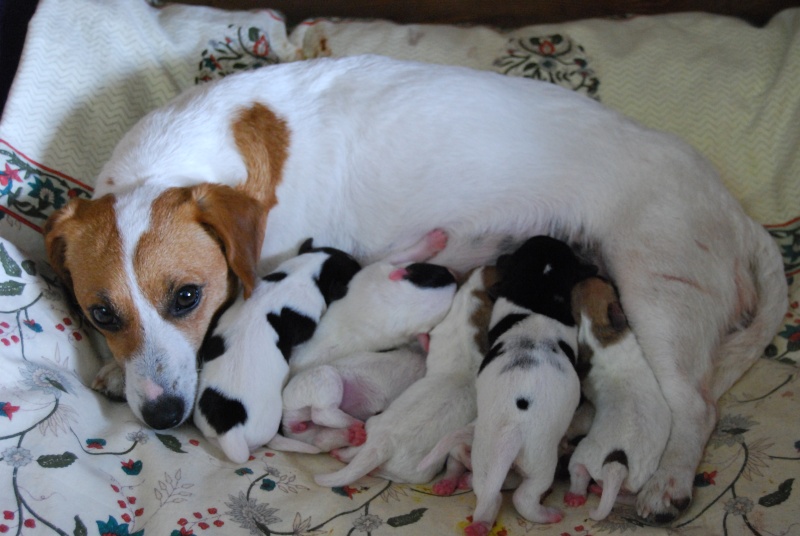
(442, 401)
(339, 396)
(528, 439)
(377, 313)
(631, 415)
(253, 370)
(383, 151)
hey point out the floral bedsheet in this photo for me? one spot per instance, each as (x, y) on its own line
(74, 462)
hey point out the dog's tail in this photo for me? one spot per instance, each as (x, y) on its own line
(288, 444)
(368, 457)
(614, 474)
(763, 299)
(439, 452)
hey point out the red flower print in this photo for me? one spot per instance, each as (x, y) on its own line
(126, 518)
(546, 48)
(8, 515)
(30, 523)
(9, 176)
(7, 410)
(3, 529)
(261, 47)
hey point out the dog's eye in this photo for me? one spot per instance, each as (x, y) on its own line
(186, 299)
(104, 318)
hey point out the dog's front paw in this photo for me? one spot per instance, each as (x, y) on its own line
(663, 498)
(110, 381)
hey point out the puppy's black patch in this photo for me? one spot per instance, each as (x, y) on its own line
(335, 275)
(213, 345)
(618, 456)
(212, 348)
(540, 275)
(425, 275)
(523, 403)
(568, 351)
(293, 328)
(495, 351)
(274, 277)
(505, 323)
(221, 412)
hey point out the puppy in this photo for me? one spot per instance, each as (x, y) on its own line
(245, 356)
(632, 418)
(367, 154)
(442, 401)
(385, 307)
(527, 386)
(326, 405)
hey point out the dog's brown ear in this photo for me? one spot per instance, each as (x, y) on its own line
(239, 222)
(616, 317)
(55, 241)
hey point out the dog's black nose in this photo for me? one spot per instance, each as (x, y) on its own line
(164, 412)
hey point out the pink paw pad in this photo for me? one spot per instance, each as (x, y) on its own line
(554, 517)
(446, 486)
(356, 434)
(335, 454)
(476, 529)
(573, 499)
(596, 489)
(298, 427)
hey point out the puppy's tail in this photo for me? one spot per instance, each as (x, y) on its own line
(368, 458)
(288, 444)
(614, 474)
(439, 452)
(762, 302)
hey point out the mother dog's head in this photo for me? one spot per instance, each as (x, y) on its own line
(150, 269)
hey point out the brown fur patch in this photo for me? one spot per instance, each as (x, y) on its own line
(483, 313)
(179, 250)
(85, 249)
(263, 141)
(596, 298)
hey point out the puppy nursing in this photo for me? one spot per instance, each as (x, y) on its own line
(245, 356)
(632, 419)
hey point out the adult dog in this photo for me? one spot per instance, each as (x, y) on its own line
(368, 154)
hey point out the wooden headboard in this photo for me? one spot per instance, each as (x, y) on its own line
(504, 13)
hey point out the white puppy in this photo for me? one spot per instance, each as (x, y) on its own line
(385, 307)
(442, 401)
(632, 418)
(245, 355)
(327, 405)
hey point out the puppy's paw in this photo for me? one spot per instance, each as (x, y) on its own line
(573, 499)
(465, 481)
(663, 498)
(477, 529)
(445, 486)
(110, 381)
(356, 435)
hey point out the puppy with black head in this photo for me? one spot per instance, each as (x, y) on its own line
(245, 356)
(527, 386)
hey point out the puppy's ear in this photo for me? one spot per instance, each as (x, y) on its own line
(239, 222)
(306, 246)
(616, 317)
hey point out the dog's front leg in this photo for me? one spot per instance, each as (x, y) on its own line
(110, 379)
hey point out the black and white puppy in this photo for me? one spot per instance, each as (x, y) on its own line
(527, 386)
(245, 356)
